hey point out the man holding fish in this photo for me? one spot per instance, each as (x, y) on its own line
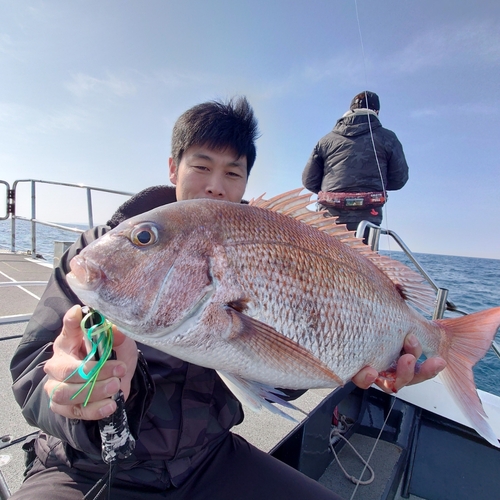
(180, 413)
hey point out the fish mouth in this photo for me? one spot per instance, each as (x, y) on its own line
(84, 275)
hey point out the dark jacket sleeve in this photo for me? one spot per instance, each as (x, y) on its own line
(312, 176)
(397, 168)
(36, 347)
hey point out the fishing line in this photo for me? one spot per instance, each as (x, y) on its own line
(384, 209)
(337, 434)
(373, 449)
(359, 481)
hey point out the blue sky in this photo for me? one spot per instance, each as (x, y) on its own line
(89, 92)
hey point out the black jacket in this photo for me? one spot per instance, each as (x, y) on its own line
(176, 425)
(344, 161)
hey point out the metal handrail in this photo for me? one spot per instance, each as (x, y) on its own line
(9, 201)
(374, 238)
(11, 208)
(442, 304)
(15, 318)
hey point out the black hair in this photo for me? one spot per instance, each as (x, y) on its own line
(217, 125)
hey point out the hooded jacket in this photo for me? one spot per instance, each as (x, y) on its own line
(344, 161)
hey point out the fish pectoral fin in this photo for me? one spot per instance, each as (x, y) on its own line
(275, 349)
(256, 396)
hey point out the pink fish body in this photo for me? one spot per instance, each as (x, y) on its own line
(265, 298)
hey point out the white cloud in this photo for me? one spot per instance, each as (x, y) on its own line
(69, 119)
(451, 45)
(178, 79)
(82, 85)
(5, 43)
(11, 112)
(477, 108)
(17, 120)
(424, 113)
(467, 109)
(342, 67)
(8, 48)
(456, 45)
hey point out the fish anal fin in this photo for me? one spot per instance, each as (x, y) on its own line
(256, 396)
(466, 341)
(275, 349)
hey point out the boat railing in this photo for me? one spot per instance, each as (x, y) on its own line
(374, 232)
(10, 211)
(442, 302)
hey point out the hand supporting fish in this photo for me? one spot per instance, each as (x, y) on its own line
(276, 295)
(408, 371)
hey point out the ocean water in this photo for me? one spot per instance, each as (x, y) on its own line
(45, 237)
(473, 284)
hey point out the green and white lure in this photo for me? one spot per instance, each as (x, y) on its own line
(99, 339)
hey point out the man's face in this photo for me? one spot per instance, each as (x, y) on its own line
(206, 173)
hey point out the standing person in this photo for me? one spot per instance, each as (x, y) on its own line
(180, 414)
(358, 156)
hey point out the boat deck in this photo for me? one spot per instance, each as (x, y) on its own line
(15, 301)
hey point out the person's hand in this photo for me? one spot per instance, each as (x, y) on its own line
(69, 351)
(407, 372)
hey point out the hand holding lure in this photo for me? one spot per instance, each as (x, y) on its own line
(117, 441)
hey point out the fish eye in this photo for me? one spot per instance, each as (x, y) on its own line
(144, 235)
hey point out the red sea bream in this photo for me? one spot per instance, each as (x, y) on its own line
(272, 294)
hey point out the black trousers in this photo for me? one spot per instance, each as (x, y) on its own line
(235, 470)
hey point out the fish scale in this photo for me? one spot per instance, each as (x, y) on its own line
(271, 301)
(313, 288)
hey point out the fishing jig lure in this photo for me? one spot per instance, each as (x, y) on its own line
(117, 441)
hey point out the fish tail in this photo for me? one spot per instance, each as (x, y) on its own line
(466, 340)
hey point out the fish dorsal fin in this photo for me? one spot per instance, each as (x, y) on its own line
(294, 204)
(411, 285)
(288, 203)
